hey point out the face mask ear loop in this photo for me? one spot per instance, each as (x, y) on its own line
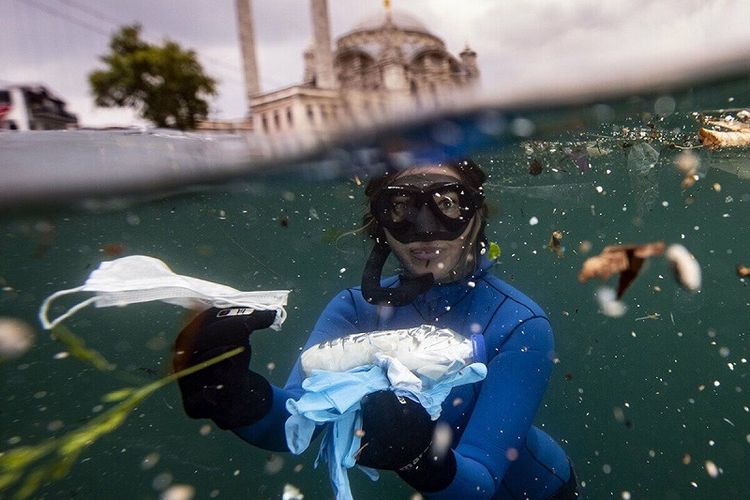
(44, 308)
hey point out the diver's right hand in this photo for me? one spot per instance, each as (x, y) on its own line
(228, 392)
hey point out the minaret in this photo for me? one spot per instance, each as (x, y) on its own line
(469, 60)
(324, 75)
(247, 48)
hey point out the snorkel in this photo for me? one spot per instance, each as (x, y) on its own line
(422, 208)
(408, 290)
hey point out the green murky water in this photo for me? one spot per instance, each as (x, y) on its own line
(644, 403)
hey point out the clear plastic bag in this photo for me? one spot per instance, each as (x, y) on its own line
(425, 350)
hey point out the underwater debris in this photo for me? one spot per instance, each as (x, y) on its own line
(274, 464)
(178, 492)
(113, 249)
(687, 163)
(494, 251)
(535, 167)
(743, 271)
(714, 139)
(291, 492)
(442, 437)
(625, 260)
(730, 132)
(16, 337)
(555, 243)
(609, 305)
(686, 267)
(580, 157)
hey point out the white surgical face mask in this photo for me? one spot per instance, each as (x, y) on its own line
(139, 278)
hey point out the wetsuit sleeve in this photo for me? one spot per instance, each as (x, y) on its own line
(338, 318)
(508, 401)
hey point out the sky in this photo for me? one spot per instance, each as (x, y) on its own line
(59, 42)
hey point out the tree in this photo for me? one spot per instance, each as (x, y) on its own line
(166, 83)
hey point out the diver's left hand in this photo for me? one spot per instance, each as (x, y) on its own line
(397, 431)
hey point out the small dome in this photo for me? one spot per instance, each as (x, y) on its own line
(399, 18)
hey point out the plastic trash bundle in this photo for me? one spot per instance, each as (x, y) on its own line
(139, 278)
(423, 363)
(424, 350)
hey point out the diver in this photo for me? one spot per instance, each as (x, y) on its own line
(432, 218)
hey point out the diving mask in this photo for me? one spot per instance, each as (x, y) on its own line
(439, 211)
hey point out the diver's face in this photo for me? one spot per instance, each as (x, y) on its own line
(439, 257)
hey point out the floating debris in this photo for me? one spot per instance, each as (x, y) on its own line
(728, 132)
(16, 337)
(555, 243)
(178, 492)
(442, 437)
(274, 464)
(686, 267)
(687, 163)
(743, 271)
(625, 260)
(291, 492)
(711, 469)
(535, 167)
(608, 303)
(652, 316)
(715, 139)
(113, 249)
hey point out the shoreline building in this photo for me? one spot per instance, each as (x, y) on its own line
(388, 63)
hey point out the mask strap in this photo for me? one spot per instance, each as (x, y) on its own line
(402, 295)
(44, 309)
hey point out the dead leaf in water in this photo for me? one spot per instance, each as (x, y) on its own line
(625, 260)
(555, 243)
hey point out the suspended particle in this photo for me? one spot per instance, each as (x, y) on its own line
(16, 337)
(291, 492)
(274, 464)
(609, 305)
(178, 492)
(686, 267)
(442, 437)
(711, 469)
(555, 243)
(149, 461)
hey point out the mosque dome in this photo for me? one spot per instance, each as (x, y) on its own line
(400, 19)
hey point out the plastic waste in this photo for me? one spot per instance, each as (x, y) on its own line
(425, 350)
(140, 278)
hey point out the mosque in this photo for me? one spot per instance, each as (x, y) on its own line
(388, 63)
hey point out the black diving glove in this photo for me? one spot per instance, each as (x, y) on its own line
(228, 393)
(398, 435)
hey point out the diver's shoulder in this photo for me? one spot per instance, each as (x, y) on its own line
(511, 293)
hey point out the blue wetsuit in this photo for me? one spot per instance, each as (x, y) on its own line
(499, 454)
